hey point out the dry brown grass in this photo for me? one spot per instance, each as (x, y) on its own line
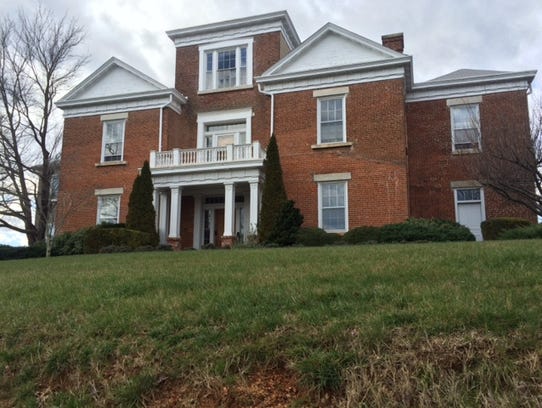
(463, 369)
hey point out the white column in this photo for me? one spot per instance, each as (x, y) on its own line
(162, 217)
(198, 218)
(175, 213)
(254, 207)
(229, 209)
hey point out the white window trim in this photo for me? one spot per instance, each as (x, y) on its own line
(217, 117)
(318, 118)
(104, 125)
(482, 201)
(467, 150)
(320, 207)
(99, 205)
(216, 47)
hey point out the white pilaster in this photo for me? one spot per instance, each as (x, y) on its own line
(229, 209)
(198, 219)
(175, 213)
(162, 217)
(254, 206)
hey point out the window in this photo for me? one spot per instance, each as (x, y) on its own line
(333, 203)
(113, 140)
(108, 209)
(332, 119)
(465, 127)
(226, 65)
(222, 134)
(222, 128)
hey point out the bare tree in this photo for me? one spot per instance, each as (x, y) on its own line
(511, 162)
(37, 61)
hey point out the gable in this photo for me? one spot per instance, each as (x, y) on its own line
(333, 50)
(115, 81)
(113, 78)
(332, 47)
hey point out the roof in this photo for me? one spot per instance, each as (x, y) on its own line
(117, 82)
(247, 26)
(467, 73)
(334, 52)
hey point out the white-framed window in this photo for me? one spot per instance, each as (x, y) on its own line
(465, 127)
(333, 206)
(223, 134)
(331, 113)
(113, 140)
(108, 209)
(226, 65)
(221, 128)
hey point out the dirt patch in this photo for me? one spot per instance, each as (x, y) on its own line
(263, 389)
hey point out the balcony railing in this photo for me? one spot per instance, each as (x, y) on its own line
(208, 155)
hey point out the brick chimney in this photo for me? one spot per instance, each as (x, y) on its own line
(394, 42)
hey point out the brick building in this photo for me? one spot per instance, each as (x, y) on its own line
(360, 142)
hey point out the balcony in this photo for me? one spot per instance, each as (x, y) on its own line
(209, 157)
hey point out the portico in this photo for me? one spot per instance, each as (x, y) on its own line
(207, 202)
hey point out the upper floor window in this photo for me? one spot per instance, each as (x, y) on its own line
(332, 119)
(226, 65)
(113, 140)
(222, 128)
(465, 127)
(223, 134)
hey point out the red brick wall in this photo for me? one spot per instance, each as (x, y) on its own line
(432, 166)
(81, 150)
(377, 192)
(266, 51)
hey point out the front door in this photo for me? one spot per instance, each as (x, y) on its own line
(469, 209)
(213, 226)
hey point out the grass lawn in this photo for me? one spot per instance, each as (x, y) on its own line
(455, 324)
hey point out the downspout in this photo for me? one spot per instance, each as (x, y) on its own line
(161, 122)
(272, 118)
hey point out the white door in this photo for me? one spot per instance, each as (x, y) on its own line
(470, 209)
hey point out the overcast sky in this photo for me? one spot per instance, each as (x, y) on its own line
(441, 35)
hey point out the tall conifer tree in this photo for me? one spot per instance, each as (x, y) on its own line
(141, 214)
(274, 193)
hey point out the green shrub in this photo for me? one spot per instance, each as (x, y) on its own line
(418, 229)
(530, 232)
(492, 229)
(69, 243)
(97, 238)
(289, 219)
(35, 251)
(362, 235)
(316, 237)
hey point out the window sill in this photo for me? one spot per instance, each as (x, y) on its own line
(465, 151)
(235, 88)
(112, 163)
(331, 145)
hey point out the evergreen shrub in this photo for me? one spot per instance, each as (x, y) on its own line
(311, 236)
(530, 232)
(493, 228)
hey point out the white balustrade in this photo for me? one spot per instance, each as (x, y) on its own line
(208, 155)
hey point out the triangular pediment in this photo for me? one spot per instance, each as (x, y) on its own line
(114, 78)
(331, 47)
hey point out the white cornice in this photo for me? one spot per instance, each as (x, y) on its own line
(471, 86)
(225, 30)
(123, 103)
(336, 76)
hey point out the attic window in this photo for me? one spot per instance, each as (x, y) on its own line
(226, 65)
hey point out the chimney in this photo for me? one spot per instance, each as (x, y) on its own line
(394, 42)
